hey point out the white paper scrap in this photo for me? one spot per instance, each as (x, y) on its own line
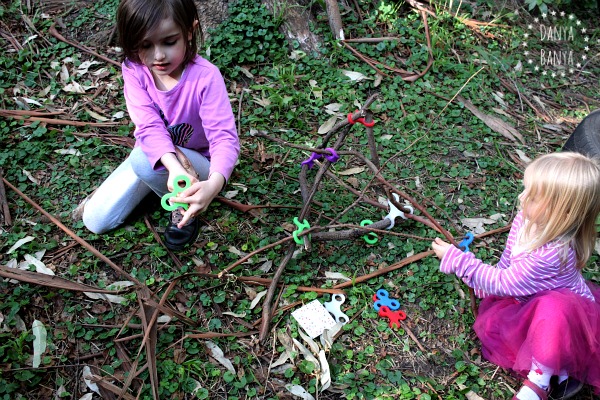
(313, 318)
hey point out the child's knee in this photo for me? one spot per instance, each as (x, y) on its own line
(93, 223)
(551, 307)
(140, 164)
(97, 218)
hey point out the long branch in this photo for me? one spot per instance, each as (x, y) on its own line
(266, 310)
(78, 239)
(60, 37)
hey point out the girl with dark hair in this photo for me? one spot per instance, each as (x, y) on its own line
(181, 110)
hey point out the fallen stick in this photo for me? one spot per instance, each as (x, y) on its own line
(112, 139)
(281, 309)
(245, 207)
(266, 310)
(413, 336)
(409, 260)
(52, 281)
(56, 121)
(393, 267)
(257, 281)
(29, 113)
(60, 37)
(404, 74)
(148, 315)
(249, 255)
(335, 19)
(6, 220)
(78, 239)
(266, 281)
(214, 335)
(110, 387)
(371, 40)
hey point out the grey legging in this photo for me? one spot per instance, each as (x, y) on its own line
(127, 185)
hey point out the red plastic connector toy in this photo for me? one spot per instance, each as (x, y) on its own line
(394, 316)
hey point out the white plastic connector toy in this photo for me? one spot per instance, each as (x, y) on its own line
(394, 212)
(335, 310)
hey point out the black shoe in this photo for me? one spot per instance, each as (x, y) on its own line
(177, 238)
(565, 390)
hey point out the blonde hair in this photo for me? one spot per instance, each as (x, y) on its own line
(566, 189)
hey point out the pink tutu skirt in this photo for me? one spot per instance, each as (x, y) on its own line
(558, 328)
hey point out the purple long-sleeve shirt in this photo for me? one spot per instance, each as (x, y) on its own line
(517, 275)
(195, 114)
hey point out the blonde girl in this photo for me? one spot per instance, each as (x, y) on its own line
(538, 316)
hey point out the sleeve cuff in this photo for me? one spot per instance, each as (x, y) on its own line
(447, 265)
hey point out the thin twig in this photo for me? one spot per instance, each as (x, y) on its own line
(60, 37)
(404, 74)
(410, 260)
(371, 40)
(251, 254)
(55, 121)
(393, 267)
(266, 310)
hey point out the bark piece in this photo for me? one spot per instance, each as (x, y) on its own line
(296, 22)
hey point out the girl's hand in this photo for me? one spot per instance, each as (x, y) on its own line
(172, 164)
(440, 247)
(174, 173)
(199, 196)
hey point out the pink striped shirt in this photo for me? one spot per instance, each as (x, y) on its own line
(517, 275)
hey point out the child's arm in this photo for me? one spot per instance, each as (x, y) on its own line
(440, 247)
(218, 122)
(151, 132)
(525, 276)
(173, 165)
(510, 242)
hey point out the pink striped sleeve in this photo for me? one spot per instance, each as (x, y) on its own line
(526, 275)
(521, 275)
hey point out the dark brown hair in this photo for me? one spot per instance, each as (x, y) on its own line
(136, 17)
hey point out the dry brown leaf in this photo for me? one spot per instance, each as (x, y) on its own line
(288, 226)
(299, 391)
(353, 182)
(50, 281)
(327, 125)
(352, 171)
(96, 116)
(494, 123)
(216, 353)
(257, 299)
(111, 387)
